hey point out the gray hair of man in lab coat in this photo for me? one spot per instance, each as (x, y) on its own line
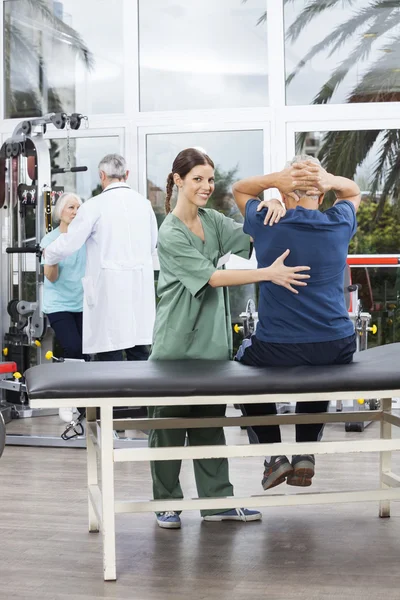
(114, 166)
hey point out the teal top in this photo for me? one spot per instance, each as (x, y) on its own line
(65, 294)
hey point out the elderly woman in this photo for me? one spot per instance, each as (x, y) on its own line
(63, 291)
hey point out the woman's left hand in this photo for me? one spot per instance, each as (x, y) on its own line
(275, 211)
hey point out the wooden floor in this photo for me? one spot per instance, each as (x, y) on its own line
(331, 552)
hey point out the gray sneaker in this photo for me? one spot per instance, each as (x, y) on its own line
(303, 470)
(276, 471)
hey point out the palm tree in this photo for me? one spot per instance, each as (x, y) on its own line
(30, 58)
(344, 151)
(222, 198)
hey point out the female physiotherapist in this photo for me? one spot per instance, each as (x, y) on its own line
(193, 320)
(62, 290)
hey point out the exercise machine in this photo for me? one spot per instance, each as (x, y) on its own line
(28, 196)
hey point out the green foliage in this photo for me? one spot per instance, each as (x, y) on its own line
(97, 190)
(382, 237)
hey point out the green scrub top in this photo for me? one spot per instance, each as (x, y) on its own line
(193, 319)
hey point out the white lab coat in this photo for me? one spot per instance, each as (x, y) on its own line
(120, 231)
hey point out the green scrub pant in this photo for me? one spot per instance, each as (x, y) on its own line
(212, 474)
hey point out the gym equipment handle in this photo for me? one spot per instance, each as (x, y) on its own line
(24, 250)
(71, 170)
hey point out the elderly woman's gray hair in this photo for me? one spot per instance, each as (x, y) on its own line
(61, 202)
(298, 159)
(114, 166)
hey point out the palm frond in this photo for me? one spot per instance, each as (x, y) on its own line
(387, 155)
(32, 62)
(359, 53)
(386, 168)
(328, 89)
(383, 21)
(78, 45)
(344, 151)
(316, 49)
(392, 183)
(262, 19)
(22, 53)
(381, 83)
(345, 31)
(312, 10)
(300, 141)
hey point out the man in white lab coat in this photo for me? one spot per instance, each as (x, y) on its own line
(119, 229)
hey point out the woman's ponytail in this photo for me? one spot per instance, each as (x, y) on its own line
(170, 187)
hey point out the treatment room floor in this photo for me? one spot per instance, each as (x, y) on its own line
(301, 553)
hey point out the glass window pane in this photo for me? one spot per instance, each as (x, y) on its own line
(56, 57)
(367, 157)
(84, 152)
(198, 56)
(342, 51)
(236, 154)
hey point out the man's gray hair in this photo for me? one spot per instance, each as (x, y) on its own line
(61, 203)
(114, 166)
(302, 158)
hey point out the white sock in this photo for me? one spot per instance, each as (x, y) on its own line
(268, 459)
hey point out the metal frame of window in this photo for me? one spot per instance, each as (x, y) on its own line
(278, 121)
(199, 127)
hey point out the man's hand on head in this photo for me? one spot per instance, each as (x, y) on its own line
(306, 176)
(320, 181)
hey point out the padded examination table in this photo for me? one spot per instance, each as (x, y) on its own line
(375, 373)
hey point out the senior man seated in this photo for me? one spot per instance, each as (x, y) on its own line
(311, 327)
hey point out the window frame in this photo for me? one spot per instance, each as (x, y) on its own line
(279, 121)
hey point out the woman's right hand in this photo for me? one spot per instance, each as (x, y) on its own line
(279, 274)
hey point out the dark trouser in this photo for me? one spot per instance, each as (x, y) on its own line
(134, 353)
(68, 329)
(261, 354)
